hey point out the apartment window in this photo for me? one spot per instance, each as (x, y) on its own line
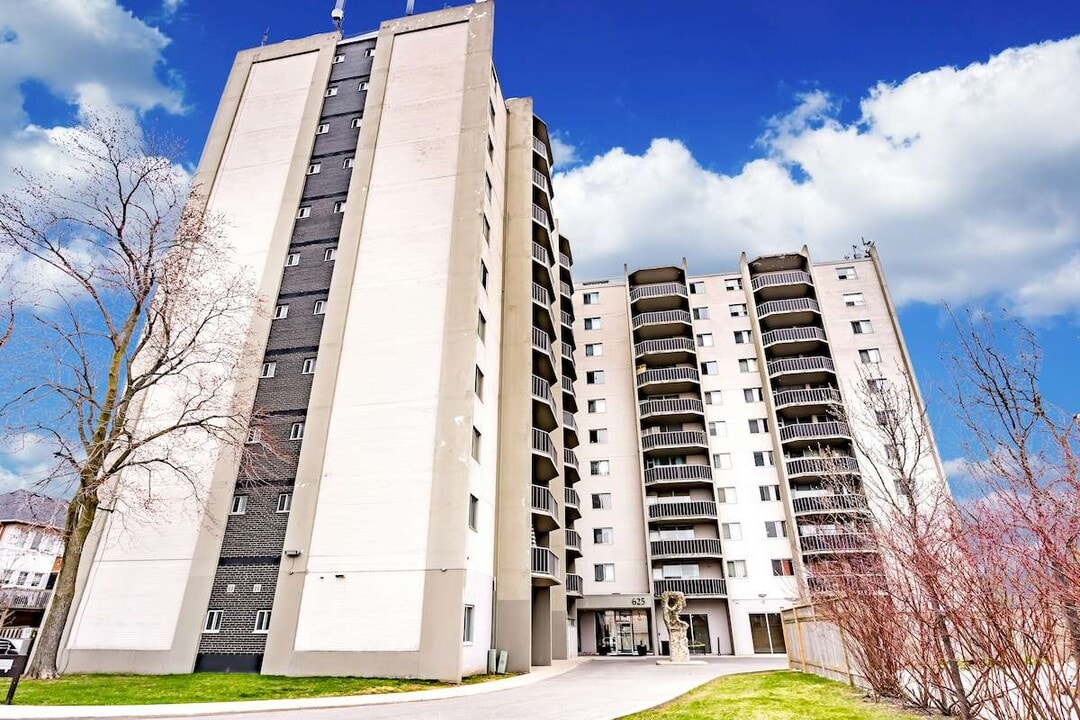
(594, 349)
(37, 579)
(603, 535)
(303, 212)
(736, 568)
(870, 355)
(759, 425)
(742, 337)
(339, 207)
(487, 186)
(370, 52)
(322, 129)
(885, 418)
(483, 274)
(697, 288)
(348, 163)
(262, 622)
(705, 340)
(877, 385)
(600, 467)
(714, 397)
(861, 327)
(292, 259)
(281, 312)
(212, 624)
(718, 428)
(239, 505)
(356, 122)
(764, 459)
(481, 325)
(256, 587)
(737, 310)
(331, 91)
(329, 254)
(601, 501)
(268, 370)
(320, 307)
(747, 365)
(308, 368)
(296, 432)
(752, 395)
(591, 298)
(710, 368)
(701, 313)
(854, 299)
(478, 383)
(476, 444)
(727, 495)
(731, 531)
(604, 572)
(598, 405)
(903, 487)
(487, 229)
(362, 86)
(598, 436)
(593, 323)
(733, 284)
(338, 59)
(594, 377)
(769, 493)
(782, 568)
(775, 528)
(892, 453)
(254, 435)
(846, 273)
(474, 511)
(284, 502)
(467, 630)
(721, 461)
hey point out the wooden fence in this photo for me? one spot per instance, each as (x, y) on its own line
(815, 645)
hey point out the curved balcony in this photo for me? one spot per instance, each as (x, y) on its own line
(691, 587)
(660, 296)
(540, 180)
(780, 313)
(676, 476)
(545, 566)
(831, 504)
(542, 267)
(572, 502)
(802, 370)
(564, 261)
(570, 466)
(821, 467)
(812, 432)
(664, 323)
(668, 381)
(545, 508)
(785, 284)
(545, 353)
(540, 147)
(795, 340)
(696, 548)
(569, 367)
(816, 400)
(567, 322)
(542, 305)
(542, 217)
(667, 351)
(544, 409)
(570, 431)
(573, 543)
(674, 443)
(679, 410)
(834, 543)
(569, 396)
(545, 461)
(682, 510)
(573, 585)
(22, 598)
(566, 288)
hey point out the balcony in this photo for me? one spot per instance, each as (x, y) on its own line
(812, 432)
(545, 411)
(545, 567)
(792, 341)
(568, 365)
(567, 289)
(834, 543)
(667, 351)
(569, 396)
(668, 380)
(802, 370)
(682, 510)
(691, 587)
(17, 598)
(674, 443)
(545, 461)
(564, 262)
(545, 509)
(664, 323)
(696, 548)
(814, 400)
(659, 297)
(778, 285)
(540, 180)
(540, 147)
(782, 313)
(573, 585)
(541, 343)
(821, 466)
(830, 504)
(679, 410)
(572, 502)
(542, 218)
(570, 431)
(542, 304)
(570, 466)
(573, 543)
(567, 322)
(676, 476)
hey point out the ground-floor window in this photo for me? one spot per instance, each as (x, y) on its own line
(767, 632)
(697, 635)
(622, 632)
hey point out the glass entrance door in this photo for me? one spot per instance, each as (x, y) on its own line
(697, 635)
(767, 632)
(624, 637)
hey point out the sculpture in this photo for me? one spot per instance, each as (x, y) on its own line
(673, 603)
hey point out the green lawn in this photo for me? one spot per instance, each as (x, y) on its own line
(205, 687)
(772, 696)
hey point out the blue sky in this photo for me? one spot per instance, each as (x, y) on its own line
(947, 131)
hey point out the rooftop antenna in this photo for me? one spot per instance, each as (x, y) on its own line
(338, 14)
(409, 7)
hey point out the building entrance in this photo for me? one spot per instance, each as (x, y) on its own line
(622, 632)
(697, 635)
(767, 632)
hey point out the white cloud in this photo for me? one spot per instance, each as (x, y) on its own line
(565, 153)
(969, 180)
(169, 7)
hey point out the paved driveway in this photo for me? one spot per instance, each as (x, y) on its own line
(600, 689)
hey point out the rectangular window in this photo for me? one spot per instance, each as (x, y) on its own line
(764, 459)
(281, 312)
(737, 310)
(239, 505)
(727, 495)
(213, 621)
(483, 274)
(292, 259)
(338, 59)
(731, 531)
(339, 207)
(356, 122)
(877, 385)
(481, 325)
(697, 288)
(467, 630)
(769, 493)
(710, 368)
(759, 425)
(714, 397)
(590, 298)
(736, 568)
(604, 572)
(752, 395)
(870, 356)
(854, 299)
(303, 212)
(782, 568)
(775, 528)
(331, 91)
(742, 337)
(320, 307)
(705, 340)
(478, 383)
(718, 428)
(594, 377)
(846, 273)
(594, 349)
(474, 512)
(362, 86)
(884, 418)
(308, 368)
(599, 467)
(348, 163)
(296, 432)
(262, 622)
(861, 327)
(268, 370)
(597, 406)
(598, 436)
(601, 501)
(284, 502)
(747, 365)
(254, 435)
(370, 52)
(329, 254)
(721, 461)
(701, 313)
(322, 129)
(733, 284)
(476, 444)
(603, 535)
(593, 323)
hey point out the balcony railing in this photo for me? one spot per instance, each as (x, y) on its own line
(567, 352)
(567, 289)
(806, 431)
(568, 387)
(817, 363)
(681, 438)
(795, 334)
(541, 216)
(658, 290)
(790, 277)
(542, 342)
(545, 563)
(543, 501)
(825, 466)
(664, 375)
(682, 509)
(828, 503)
(660, 474)
(539, 180)
(573, 540)
(567, 319)
(564, 261)
(569, 421)
(541, 147)
(661, 317)
(570, 458)
(812, 396)
(540, 294)
(786, 306)
(572, 497)
(665, 345)
(573, 585)
(698, 547)
(541, 443)
(24, 598)
(834, 542)
(541, 255)
(671, 407)
(693, 587)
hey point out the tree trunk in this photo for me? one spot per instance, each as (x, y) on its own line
(80, 519)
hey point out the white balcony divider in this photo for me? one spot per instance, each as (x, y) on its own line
(661, 316)
(787, 277)
(817, 363)
(793, 305)
(814, 430)
(795, 334)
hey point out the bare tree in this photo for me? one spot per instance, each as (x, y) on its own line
(137, 328)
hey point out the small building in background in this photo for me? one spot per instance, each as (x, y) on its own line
(31, 548)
